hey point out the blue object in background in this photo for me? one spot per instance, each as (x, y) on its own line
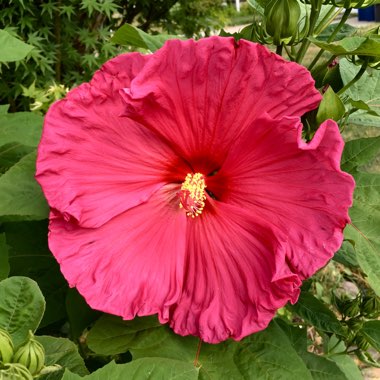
(367, 14)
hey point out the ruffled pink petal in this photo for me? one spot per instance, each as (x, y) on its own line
(93, 163)
(236, 276)
(297, 187)
(201, 95)
(133, 264)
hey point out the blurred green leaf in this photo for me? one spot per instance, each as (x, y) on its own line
(296, 335)
(63, 352)
(147, 368)
(29, 256)
(132, 36)
(79, 314)
(4, 261)
(19, 192)
(322, 368)
(316, 313)
(347, 366)
(12, 49)
(371, 330)
(21, 127)
(22, 306)
(345, 31)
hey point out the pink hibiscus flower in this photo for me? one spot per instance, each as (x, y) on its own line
(179, 185)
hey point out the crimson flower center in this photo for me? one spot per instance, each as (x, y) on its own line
(192, 195)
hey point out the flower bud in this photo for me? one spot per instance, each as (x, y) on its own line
(6, 346)
(370, 306)
(281, 19)
(351, 308)
(361, 342)
(31, 354)
(15, 371)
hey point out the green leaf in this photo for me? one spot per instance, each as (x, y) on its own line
(12, 49)
(347, 366)
(359, 152)
(296, 335)
(366, 89)
(63, 352)
(22, 306)
(4, 109)
(4, 262)
(346, 31)
(141, 369)
(19, 192)
(111, 335)
(12, 153)
(145, 337)
(347, 255)
(132, 36)
(369, 46)
(270, 355)
(317, 314)
(21, 127)
(29, 256)
(322, 368)
(331, 107)
(371, 330)
(364, 230)
(79, 314)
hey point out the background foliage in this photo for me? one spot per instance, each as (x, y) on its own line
(333, 332)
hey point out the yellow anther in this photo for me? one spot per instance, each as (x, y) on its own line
(192, 195)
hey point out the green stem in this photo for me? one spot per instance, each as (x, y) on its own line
(279, 49)
(332, 36)
(306, 43)
(327, 20)
(354, 79)
(289, 53)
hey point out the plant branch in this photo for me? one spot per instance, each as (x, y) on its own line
(332, 36)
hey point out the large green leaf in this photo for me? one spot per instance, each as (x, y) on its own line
(132, 36)
(63, 352)
(12, 49)
(79, 313)
(111, 335)
(29, 256)
(365, 213)
(4, 261)
(142, 369)
(365, 227)
(359, 152)
(347, 366)
(19, 192)
(322, 368)
(270, 355)
(12, 153)
(369, 46)
(366, 89)
(22, 306)
(371, 330)
(317, 314)
(21, 127)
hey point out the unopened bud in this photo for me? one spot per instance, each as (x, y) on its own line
(370, 306)
(14, 371)
(281, 19)
(31, 354)
(361, 342)
(351, 308)
(6, 346)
